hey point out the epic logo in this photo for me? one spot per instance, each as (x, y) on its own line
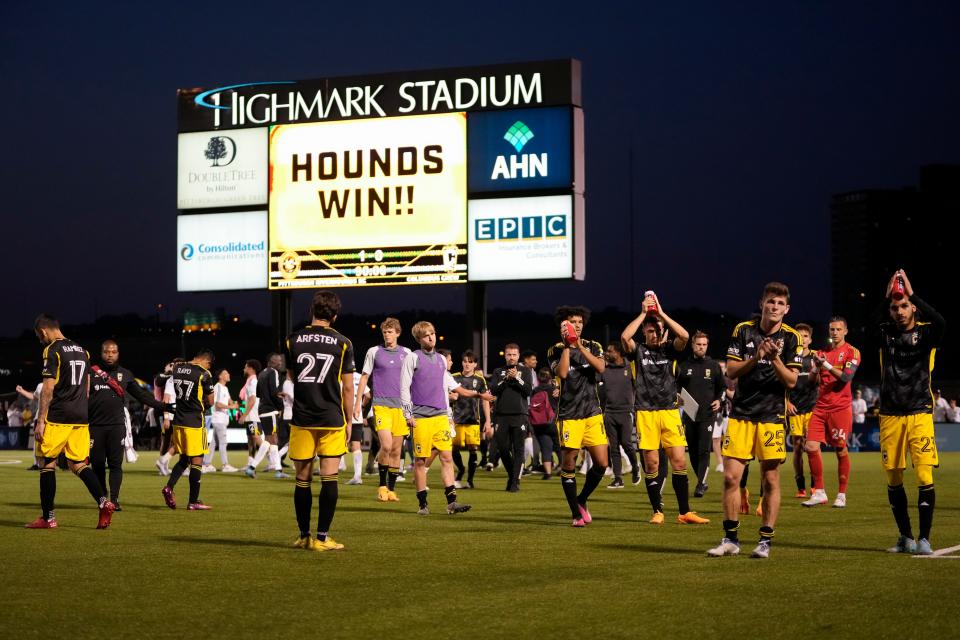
(521, 228)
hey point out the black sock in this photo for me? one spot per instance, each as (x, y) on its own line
(801, 482)
(745, 476)
(303, 504)
(422, 498)
(48, 491)
(653, 490)
(329, 492)
(177, 471)
(451, 494)
(116, 479)
(101, 475)
(196, 473)
(471, 466)
(594, 476)
(926, 502)
(766, 534)
(681, 486)
(458, 463)
(392, 474)
(568, 480)
(93, 485)
(730, 528)
(898, 503)
(383, 469)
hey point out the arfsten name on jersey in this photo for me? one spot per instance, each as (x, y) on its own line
(317, 337)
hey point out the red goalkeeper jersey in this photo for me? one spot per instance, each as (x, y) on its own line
(835, 394)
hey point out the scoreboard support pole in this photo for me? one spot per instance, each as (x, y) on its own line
(477, 321)
(280, 313)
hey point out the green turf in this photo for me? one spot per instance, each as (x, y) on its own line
(511, 567)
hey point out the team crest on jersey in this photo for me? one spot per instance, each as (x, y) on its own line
(566, 436)
(689, 372)
(119, 377)
(915, 338)
(708, 373)
(418, 448)
(726, 441)
(626, 374)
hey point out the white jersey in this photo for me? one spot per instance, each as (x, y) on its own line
(287, 399)
(221, 395)
(250, 397)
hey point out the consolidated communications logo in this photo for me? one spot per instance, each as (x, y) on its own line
(518, 135)
(186, 252)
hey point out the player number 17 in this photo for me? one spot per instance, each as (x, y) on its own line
(311, 360)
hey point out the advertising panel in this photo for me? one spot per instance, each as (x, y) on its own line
(221, 251)
(523, 149)
(365, 202)
(222, 169)
(521, 238)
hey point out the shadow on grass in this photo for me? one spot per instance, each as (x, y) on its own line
(59, 507)
(649, 548)
(832, 547)
(230, 542)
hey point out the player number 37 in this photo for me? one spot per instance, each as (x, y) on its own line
(325, 360)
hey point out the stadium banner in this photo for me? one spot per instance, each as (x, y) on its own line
(525, 149)
(284, 101)
(522, 238)
(363, 202)
(216, 169)
(222, 251)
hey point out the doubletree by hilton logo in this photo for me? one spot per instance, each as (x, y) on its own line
(220, 148)
(518, 135)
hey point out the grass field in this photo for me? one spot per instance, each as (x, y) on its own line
(512, 566)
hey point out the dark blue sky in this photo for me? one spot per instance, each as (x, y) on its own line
(743, 119)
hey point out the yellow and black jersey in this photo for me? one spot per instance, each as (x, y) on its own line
(69, 365)
(760, 396)
(467, 410)
(655, 377)
(906, 363)
(318, 357)
(804, 395)
(579, 397)
(192, 384)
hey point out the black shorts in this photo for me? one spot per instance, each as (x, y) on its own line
(268, 425)
(356, 432)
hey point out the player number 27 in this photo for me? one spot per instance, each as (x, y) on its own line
(311, 359)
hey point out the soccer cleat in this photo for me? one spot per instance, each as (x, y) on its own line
(700, 490)
(106, 512)
(457, 507)
(744, 501)
(457, 485)
(326, 545)
(513, 488)
(116, 506)
(423, 511)
(819, 497)
(160, 466)
(637, 479)
(228, 469)
(392, 496)
(353, 481)
(280, 475)
(585, 513)
(198, 506)
(616, 484)
(801, 494)
(762, 550)
(904, 545)
(923, 548)
(657, 517)
(691, 517)
(401, 478)
(841, 501)
(470, 485)
(546, 476)
(383, 494)
(169, 498)
(250, 472)
(727, 547)
(303, 543)
(42, 523)
(208, 468)
(578, 522)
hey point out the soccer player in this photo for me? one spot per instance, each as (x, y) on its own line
(322, 362)
(109, 385)
(578, 365)
(617, 399)
(62, 424)
(220, 419)
(467, 418)
(832, 418)
(193, 389)
(426, 407)
(512, 384)
(381, 369)
(908, 343)
(800, 407)
(356, 431)
(764, 357)
(251, 417)
(269, 408)
(701, 376)
(160, 390)
(655, 401)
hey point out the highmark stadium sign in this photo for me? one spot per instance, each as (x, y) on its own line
(384, 179)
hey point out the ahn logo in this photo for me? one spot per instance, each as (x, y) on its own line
(526, 165)
(220, 148)
(547, 227)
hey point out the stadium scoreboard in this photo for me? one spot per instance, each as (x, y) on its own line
(426, 177)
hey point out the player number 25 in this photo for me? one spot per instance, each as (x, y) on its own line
(311, 360)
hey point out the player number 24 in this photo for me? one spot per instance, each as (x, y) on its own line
(311, 360)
